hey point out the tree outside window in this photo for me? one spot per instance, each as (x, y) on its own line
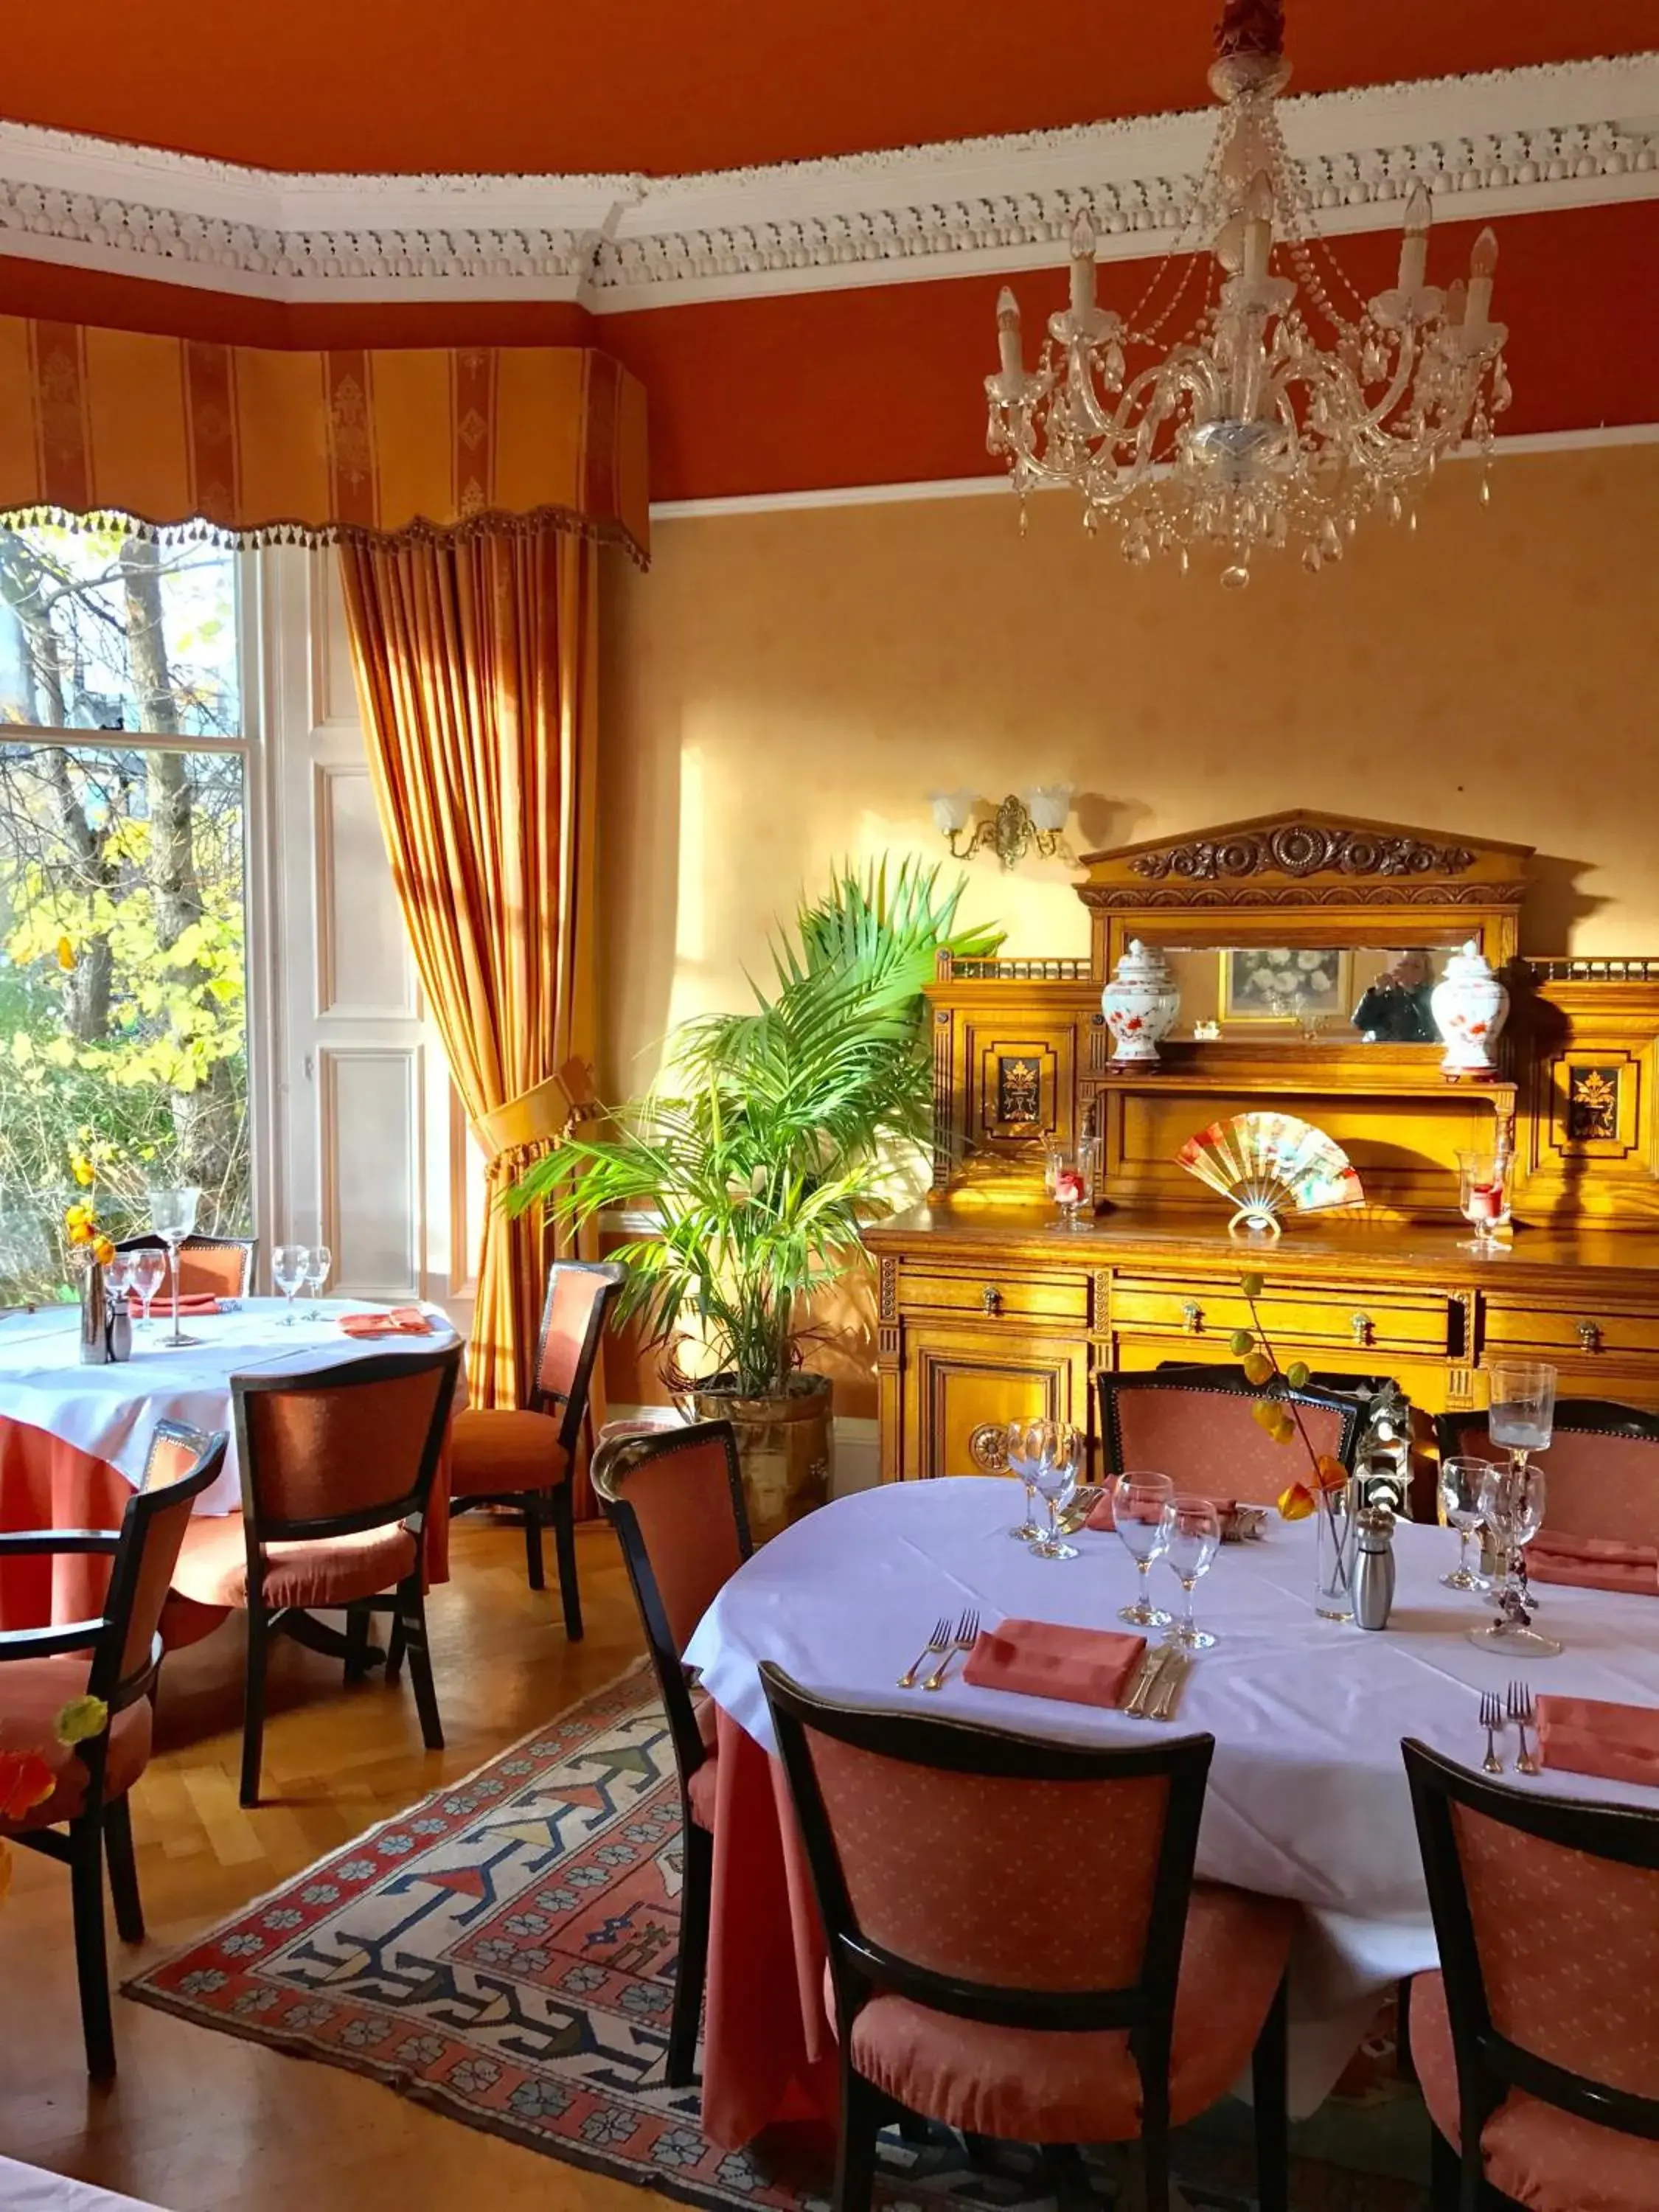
(123, 975)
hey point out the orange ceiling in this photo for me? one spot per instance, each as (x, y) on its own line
(668, 86)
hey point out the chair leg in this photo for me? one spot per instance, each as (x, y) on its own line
(562, 1508)
(532, 1541)
(855, 2154)
(394, 1649)
(1270, 2095)
(253, 1706)
(691, 1966)
(356, 1636)
(91, 1952)
(1445, 2174)
(123, 1870)
(411, 1615)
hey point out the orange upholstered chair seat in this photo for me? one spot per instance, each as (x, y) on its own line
(504, 1451)
(32, 1693)
(327, 1572)
(1038, 2085)
(1547, 2159)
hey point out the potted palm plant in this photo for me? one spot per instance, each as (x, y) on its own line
(774, 1136)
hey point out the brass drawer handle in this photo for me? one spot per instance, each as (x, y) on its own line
(1589, 1336)
(990, 1299)
(1361, 1325)
(1191, 1318)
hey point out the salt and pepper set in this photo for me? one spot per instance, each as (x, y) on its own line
(1374, 1568)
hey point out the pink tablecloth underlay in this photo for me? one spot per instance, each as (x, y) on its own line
(45, 1483)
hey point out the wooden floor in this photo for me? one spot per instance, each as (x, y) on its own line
(197, 2121)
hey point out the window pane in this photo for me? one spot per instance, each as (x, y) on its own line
(123, 1002)
(99, 632)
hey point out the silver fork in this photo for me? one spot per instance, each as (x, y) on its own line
(1492, 1719)
(1524, 1714)
(937, 1641)
(966, 1636)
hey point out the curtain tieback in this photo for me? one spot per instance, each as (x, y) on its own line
(521, 1129)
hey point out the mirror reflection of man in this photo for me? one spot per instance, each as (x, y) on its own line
(1396, 1008)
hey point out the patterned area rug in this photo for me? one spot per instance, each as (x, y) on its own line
(504, 1951)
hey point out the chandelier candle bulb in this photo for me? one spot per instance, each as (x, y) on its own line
(1483, 267)
(1415, 244)
(1013, 367)
(1258, 228)
(1083, 269)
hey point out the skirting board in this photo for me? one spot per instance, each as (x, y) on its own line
(857, 1462)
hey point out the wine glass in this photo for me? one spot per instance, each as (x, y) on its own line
(148, 1271)
(1054, 1479)
(1459, 1493)
(1192, 1540)
(289, 1264)
(316, 1267)
(1512, 1501)
(173, 1217)
(1141, 1514)
(1483, 1197)
(1024, 1449)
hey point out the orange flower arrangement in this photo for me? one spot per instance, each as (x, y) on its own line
(81, 1223)
(26, 1780)
(1278, 1417)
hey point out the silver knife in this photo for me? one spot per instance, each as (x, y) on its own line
(1171, 1686)
(1138, 1705)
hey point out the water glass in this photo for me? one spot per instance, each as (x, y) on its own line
(1141, 1516)
(1054, 1479)
(289, 1264)
(1025, 1450)
(317, 1271)
(1522, 1415)
(173, 1218)
(1461, 1479)
(1194, 1539)
(146, 1271)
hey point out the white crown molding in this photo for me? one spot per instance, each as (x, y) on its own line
(888, 495)
(1513, 142)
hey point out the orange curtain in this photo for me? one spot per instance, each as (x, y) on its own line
(476, 665)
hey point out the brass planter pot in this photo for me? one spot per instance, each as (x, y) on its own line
(785, 1447)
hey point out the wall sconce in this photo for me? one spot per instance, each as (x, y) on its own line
(1018, 824)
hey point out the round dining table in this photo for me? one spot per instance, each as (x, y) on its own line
(1308, 1797)
(73, 1438)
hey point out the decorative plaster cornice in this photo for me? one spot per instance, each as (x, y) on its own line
(1512, 142)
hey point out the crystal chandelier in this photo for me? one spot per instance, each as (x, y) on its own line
(1284, 412)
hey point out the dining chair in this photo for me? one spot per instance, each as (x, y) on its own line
(336, 1470)
(1601, 1470)
(524, 1459)
(1195, 1424)
(87, 1817)
(216, 1266)
(675, 1498)
(1536, 2046)
(1017, 1947)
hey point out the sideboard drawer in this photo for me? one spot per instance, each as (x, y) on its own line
(1563, 1325)
(999, 1292)
(1361, 1320)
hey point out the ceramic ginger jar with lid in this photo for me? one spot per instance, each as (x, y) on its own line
(1140, 1004)
(1470, 1006)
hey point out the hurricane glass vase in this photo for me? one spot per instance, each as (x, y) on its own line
(1335, 1544)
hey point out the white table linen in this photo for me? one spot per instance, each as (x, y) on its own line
(1308, 1797)
(109, 1412)
(32, 2189)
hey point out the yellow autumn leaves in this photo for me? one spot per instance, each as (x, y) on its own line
(1276, 1417)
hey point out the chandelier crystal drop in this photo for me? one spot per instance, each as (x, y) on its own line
(1290, 407)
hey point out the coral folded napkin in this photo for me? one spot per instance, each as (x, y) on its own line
(1044, 1659)
(402, 1320)
(1102, 1518)
(192, 1302)
(1587, 1736)
(1593, 1563)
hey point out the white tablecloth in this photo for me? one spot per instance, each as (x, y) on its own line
(32, 2189)
(1308, 1796)
(109, 1412)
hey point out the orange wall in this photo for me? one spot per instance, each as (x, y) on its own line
(785, 689)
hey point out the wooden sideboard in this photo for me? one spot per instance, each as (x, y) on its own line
(987, 1311)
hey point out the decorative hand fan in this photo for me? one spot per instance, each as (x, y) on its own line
(1270, 1164)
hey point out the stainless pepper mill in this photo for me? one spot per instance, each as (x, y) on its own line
(1373, 1571)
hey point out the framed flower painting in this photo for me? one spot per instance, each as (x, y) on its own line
(1285, 983)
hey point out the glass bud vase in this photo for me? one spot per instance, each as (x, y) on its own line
(1335, 1536)
(94, 1316)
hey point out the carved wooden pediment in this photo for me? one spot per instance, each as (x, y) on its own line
(1308, 856)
